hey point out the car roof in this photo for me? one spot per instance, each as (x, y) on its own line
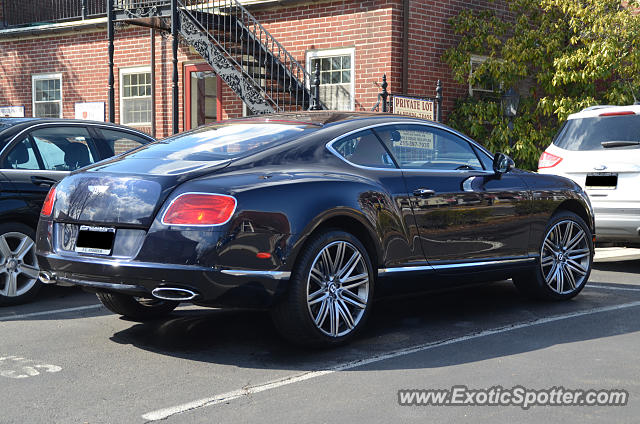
(325, 117)
(594, 111)
(10, 127)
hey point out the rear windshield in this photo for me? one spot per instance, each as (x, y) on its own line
(589, 133)
(222, 141)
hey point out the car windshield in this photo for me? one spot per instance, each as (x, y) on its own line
(590, 133)
(223, 141)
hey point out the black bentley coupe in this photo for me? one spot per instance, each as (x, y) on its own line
(307, 214)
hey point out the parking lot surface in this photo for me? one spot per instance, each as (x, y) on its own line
(66, 359)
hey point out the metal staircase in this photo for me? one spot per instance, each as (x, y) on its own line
(238, 48)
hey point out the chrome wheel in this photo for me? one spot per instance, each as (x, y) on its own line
(565, 257)
(338, 289)
(18, 264)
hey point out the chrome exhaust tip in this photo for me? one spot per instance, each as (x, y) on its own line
(46, 277)
(173, 293)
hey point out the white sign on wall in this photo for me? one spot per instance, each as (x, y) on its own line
(93, 111)
(12, 112)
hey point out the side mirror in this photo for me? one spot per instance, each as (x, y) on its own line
(502, 163)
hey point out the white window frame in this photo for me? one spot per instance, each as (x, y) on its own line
(129, 71)
(351, 51)
(37, 77)
(479, 60)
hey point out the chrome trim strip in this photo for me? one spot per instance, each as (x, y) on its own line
(115, 262)
(274, 275)
(383, 271)
(329, 147)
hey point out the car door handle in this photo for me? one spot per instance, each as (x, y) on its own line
(40, 181)
(423, 192)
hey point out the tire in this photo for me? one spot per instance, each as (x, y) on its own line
(566, 259)
(320, 310)
(18, 264)
(137, 310)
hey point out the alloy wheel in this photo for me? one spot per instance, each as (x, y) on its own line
(565, 257)
(338, 289)
(18, 264)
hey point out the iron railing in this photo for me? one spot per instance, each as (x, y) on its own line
(262, 60)
(30, 12)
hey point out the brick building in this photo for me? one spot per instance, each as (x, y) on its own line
(54, 56)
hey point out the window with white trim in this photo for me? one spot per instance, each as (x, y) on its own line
(135, 96)
(484, 84)
(47, 95)
(337, 87)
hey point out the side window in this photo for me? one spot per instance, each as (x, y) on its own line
(22, 156)
(64, 148)
(422, 147)
(365, 149)
(120, 142)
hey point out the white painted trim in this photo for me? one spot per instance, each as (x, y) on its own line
(130, 71)
(36, 77)
(312, 54)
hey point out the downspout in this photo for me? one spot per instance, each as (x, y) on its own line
(152, 34)
(405, 46)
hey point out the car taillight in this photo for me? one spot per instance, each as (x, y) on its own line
(200, 209)
(47, 207)
(618, 113)
(547, 160)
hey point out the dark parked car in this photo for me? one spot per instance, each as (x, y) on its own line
(306, 214)
(35, 154)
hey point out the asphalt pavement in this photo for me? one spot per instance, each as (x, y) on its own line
(66, 359)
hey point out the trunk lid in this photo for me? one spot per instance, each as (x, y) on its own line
(124, 193)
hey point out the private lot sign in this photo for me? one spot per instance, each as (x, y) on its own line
(411, 106)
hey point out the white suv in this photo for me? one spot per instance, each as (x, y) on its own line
(599, 148)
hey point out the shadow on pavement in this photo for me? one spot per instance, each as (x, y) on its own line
(248, 339)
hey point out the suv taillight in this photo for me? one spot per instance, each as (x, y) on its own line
(47, 207)
(547, 160)
(195, 209)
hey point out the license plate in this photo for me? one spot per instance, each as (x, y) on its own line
(96, 240)
(602, 180)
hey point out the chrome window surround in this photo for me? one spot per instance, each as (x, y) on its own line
(480, 148)
(66, 124)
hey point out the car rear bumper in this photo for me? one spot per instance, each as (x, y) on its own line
(212, 286)
(617, 228)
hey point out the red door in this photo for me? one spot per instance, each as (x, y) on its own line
(203, 100)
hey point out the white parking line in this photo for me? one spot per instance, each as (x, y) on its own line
(54, 311)
(605, 287)
(236, 394)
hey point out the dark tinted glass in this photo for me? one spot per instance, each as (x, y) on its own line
(364, 148)
(223, 141)
(121, 142)
(64, 148)
(422, 147)
(589, 133)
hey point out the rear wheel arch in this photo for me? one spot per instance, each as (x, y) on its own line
(347, 223)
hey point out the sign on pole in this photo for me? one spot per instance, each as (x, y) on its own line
(412, 106)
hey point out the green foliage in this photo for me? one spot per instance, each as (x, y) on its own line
(560, 55)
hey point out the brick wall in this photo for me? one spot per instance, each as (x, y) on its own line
(372, 27)
(430, 35)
